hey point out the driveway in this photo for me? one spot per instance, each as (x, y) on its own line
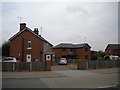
(62, 67)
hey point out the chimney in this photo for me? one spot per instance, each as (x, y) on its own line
(36, 31)
(22, 26)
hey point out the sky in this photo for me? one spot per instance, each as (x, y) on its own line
(95, 23)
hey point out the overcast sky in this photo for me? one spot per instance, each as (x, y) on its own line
(95, 23)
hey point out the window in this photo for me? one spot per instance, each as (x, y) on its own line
(63, 49)
(29, 45)
(72, 50)
(86, 49)
(86, 57)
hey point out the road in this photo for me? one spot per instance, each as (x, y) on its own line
(82, 81)
(23, 83)
(101, 78)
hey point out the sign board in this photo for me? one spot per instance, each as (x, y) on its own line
(28, 58)
(48, 57)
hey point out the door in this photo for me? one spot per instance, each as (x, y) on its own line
(28, 58)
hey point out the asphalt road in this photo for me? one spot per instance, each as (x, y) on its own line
(23, 83)
(104, 78)
(91, 80)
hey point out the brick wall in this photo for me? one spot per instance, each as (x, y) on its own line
(59, 52)
(110, 51)
(18, 46)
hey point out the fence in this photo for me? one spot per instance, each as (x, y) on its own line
(23, 66)
(100, 64)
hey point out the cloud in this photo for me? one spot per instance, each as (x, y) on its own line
(65, 22)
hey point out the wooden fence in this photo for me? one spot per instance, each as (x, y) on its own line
(100, 64)
(23, 66)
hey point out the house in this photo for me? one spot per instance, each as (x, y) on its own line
(72, 51)
(28, 45)
(113, 49)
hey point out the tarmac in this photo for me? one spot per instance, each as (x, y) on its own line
(97, 78)
(57, 73)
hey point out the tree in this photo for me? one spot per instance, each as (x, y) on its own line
(97, 55)
(6, 49)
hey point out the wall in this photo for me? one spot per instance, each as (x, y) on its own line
(82, 53)
(110, 51)
(19, 48)
(79, 51)
(46, 49)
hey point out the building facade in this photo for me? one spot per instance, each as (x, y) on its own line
(113, 49)
(72, 51)
(28, 45)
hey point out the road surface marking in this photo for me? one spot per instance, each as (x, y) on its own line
(108, 86)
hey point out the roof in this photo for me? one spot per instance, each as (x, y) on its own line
(39, 36)
(69, 45)
(114, 46)
(64, 45)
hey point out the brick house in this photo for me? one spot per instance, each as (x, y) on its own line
(113, 49)
(72, 51)
(28, 45)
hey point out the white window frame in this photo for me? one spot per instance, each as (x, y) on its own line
(29, 42)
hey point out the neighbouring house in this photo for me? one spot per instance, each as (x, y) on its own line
(28, 45)
(72, 51)
(113, 49)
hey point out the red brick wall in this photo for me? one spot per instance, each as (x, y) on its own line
(59, 53)
(80, 52)
(110, 51)
(16, 46)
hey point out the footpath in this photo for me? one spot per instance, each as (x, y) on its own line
(56, 73)
(37, 74)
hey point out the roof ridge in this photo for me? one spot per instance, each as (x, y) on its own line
(26, 28)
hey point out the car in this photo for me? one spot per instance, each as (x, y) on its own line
(63, 61)
(111, 57)
(10, 59)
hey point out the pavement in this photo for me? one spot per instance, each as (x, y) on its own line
(37, 74)
(57, 73)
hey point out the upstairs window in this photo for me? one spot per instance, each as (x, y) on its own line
(29, 44)
(63, 49)
(86, 49)
(86, 57)
(72, 50)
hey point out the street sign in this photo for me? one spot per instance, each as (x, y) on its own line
(48, 57)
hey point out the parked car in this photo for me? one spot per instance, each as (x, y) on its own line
(111, 57)
(62, 61)
(10, 59)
